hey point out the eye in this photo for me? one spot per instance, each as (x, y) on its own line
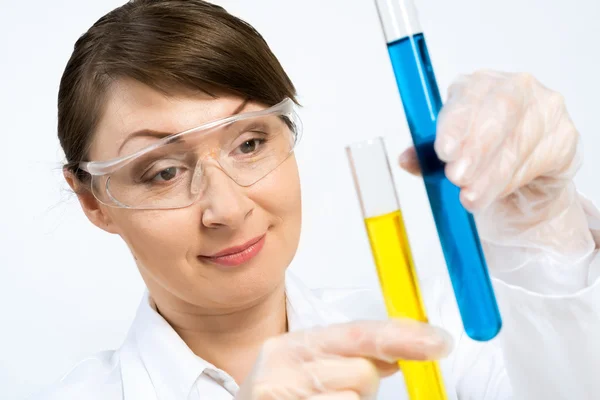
(161, 169)
(166, 174)
(250, 146)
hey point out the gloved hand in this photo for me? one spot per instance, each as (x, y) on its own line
(509, 144)
(343, 361)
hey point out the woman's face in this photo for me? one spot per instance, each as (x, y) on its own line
(173, 248)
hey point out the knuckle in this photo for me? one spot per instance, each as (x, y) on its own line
(572, 148)
(481, 72)
(356, 334)
(487, 75)
(575, 137)
(524, 78)
(454, 116)
(556, 100)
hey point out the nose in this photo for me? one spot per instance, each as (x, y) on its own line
(223, 202)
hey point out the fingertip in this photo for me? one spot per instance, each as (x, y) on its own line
(445, 345)
(477, 200)
(409, 162)
(436, 343)
(407, 156)
(419, 341)
(468, 199)
(460, 171)
(446, 147)
(386, 369)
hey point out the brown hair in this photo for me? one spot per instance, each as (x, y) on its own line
(168, 45)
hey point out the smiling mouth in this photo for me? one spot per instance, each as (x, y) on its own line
(238, 255)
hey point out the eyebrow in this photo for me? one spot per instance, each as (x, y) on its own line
(144, 133)
(161, 135)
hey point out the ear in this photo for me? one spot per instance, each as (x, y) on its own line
(93, 209)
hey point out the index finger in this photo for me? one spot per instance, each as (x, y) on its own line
(389, 341)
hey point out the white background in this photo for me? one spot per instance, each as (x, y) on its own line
(67, 289)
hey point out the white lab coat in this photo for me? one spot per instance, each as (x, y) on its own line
(549, 348)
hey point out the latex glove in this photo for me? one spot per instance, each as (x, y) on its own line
(342, 361)
(509, 144)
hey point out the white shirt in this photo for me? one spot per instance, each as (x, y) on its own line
(548, 349)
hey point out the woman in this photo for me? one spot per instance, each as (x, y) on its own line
(179, 127)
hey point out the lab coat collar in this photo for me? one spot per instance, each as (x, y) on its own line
(157, 364)
(172, 366)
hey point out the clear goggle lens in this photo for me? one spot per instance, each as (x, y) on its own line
(172, 175)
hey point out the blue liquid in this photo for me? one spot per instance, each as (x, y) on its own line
(455, 225)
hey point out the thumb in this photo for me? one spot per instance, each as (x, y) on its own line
(409, 162)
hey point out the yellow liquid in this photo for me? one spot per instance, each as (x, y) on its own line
(398, 280)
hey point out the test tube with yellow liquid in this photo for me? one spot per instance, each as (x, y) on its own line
(393, 258)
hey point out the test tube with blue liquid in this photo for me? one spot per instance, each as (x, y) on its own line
(455, 225)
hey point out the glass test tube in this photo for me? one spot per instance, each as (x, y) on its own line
(393, 258)
(455, 225)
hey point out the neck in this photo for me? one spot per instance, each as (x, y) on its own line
(230, 339)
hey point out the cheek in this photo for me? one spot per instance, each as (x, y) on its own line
(158, 238)
(279, 195)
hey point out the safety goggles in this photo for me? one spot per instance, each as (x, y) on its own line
(170, 172)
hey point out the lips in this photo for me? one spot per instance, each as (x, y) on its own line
(238, 255)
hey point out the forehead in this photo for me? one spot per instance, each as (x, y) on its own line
(132, 106)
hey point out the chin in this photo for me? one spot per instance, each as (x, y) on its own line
(244, 289)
